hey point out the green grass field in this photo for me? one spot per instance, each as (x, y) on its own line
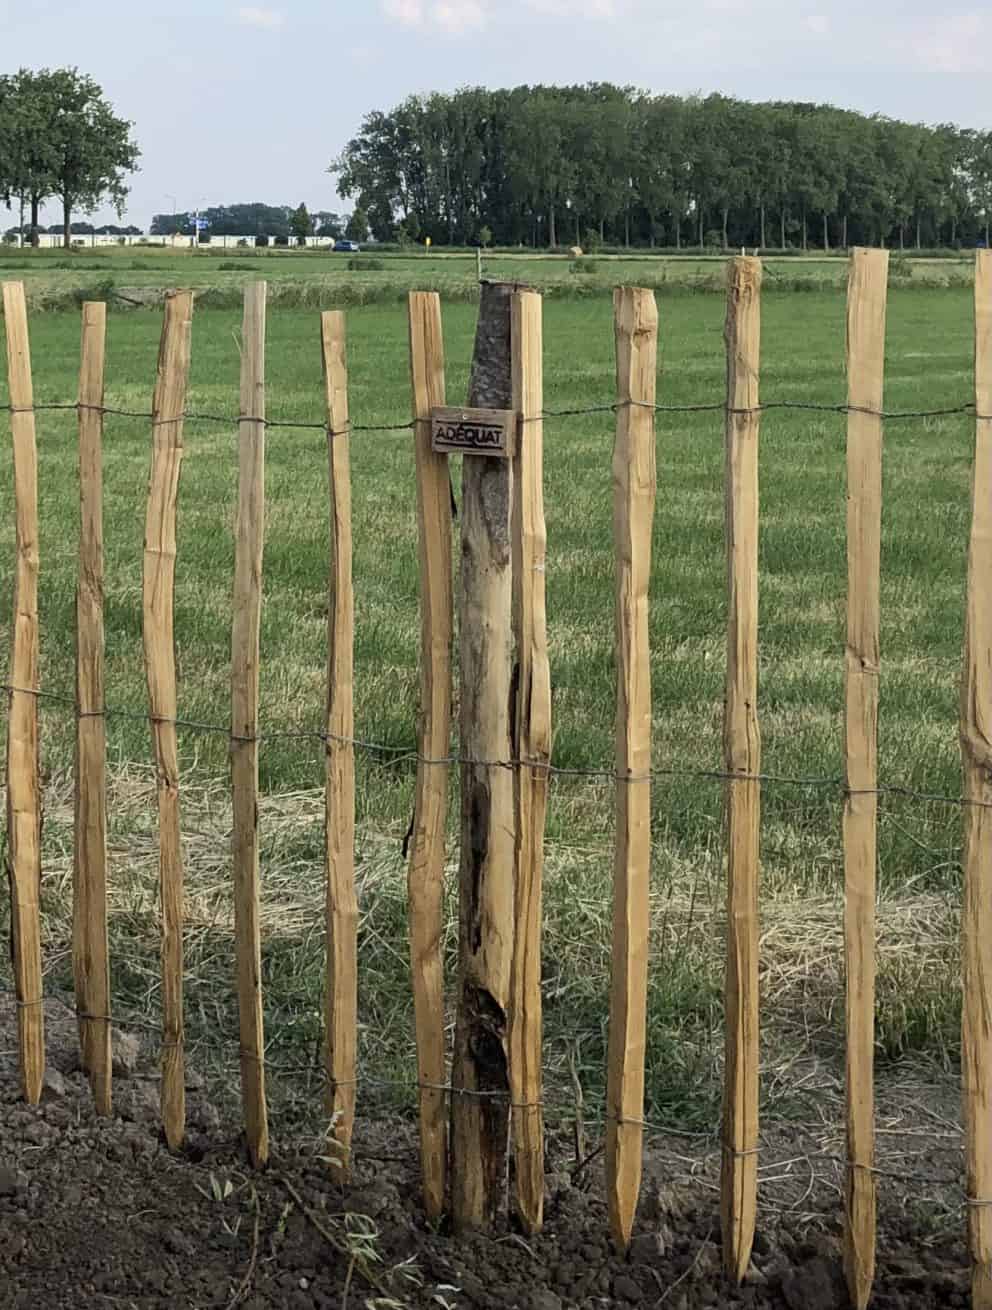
(803, 580)
(306, 279)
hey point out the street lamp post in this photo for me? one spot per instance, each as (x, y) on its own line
(196, 223)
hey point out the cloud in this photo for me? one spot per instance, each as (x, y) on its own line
(958, 43)
(253, 16)
(408, 12)
(818, 24)
(458, 16)
(574, 9)
(453, 17)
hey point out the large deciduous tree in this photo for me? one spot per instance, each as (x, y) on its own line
(26, 159)
(60, 137)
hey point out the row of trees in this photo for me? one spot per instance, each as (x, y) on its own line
(549, 165)
(79, 229)
(59, 137)
(255, 220)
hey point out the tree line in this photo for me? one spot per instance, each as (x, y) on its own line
(254, 219)
(60, 137)
(82, 229)
(550, 166)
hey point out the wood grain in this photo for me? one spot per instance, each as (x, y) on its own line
(91, 967)
(158, 591)
(976, 759)
(532, 746)
(342, 902)
(634, 487)
(426, 869)
(480, 1123)
(23, 784)
(742, 755)
(247, 614)
(866, 299)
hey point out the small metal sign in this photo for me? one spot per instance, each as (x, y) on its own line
(473, 431)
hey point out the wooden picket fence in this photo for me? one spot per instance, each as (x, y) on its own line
(494, 1087)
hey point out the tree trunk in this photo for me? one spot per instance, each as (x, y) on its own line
(700, 227)
(763, 242)
(480, 1123)
(678, 231)
(805, 234)
(954, 231)
(919, 243)
(577, 241)
(902, 236)
(20, 223)
(726, 240)
(626, 229)
(843, 239)
(552, 227)
(66, 222)
(782, 222)
(986, 231)
(602, 230)
(826, 234)
(35, 203)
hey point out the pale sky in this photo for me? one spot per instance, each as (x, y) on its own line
(250, 102)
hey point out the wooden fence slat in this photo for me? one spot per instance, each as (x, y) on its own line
(533, 743)
(89, 923)
(634, 486)
(480, 1124)
(23, 784)
(249, 545)
(426, 870)
(159, 582)
(742, 755)
(342, 903)
(976, 756)
(866, 299)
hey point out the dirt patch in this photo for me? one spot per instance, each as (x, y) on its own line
(99, 1213)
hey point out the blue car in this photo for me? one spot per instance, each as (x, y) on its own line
(348, 246)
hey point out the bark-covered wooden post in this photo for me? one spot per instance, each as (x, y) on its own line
(480, 1123)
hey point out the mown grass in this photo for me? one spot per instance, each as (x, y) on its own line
(803, 578)
(305, 279)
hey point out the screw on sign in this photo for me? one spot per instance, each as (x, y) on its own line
(473, 431)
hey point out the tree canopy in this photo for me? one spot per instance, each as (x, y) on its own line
(247, 219)
(555, 165)
(60, 137)
(301, 223)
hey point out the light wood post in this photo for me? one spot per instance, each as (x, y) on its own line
(23, 783)
(532, 748)
(866, 298)
(634, 486)
(342, 902)
(742, 756)
(976, 757)
(247, 611)
(89, 903)
(426, 870)
(159, 584)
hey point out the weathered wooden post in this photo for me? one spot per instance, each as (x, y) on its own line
(480, 1107)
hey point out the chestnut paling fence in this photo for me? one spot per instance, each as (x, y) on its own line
(482, 1103)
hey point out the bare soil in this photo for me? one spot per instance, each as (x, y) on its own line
(98, 1213)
